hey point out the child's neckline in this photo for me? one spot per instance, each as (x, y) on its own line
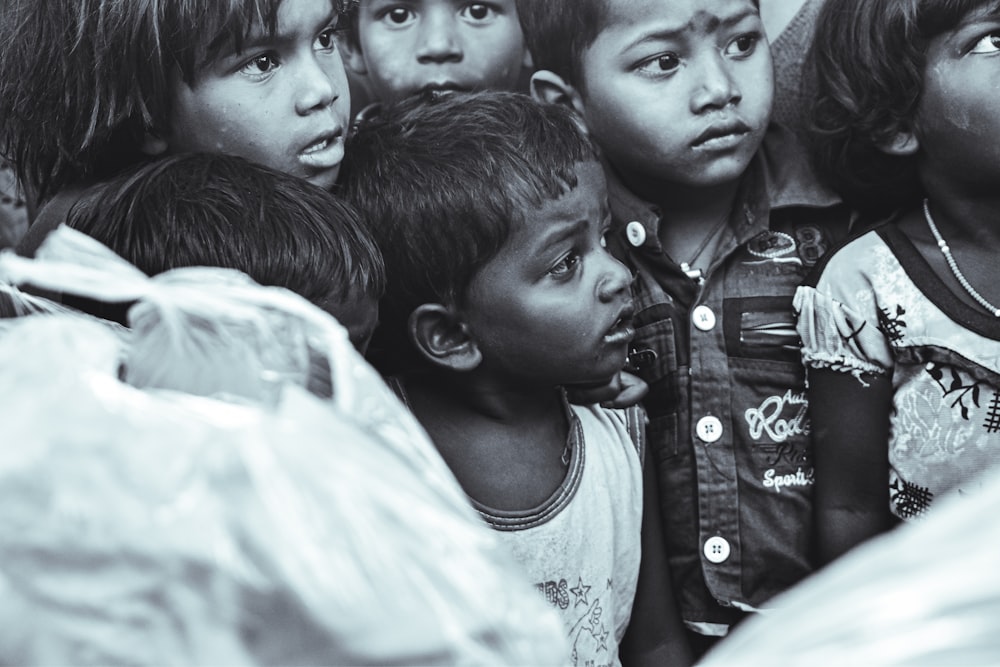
(932, 287)
(549, 504)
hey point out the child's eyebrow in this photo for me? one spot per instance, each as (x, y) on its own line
(988, 13)
(562, 233)
(258, 38)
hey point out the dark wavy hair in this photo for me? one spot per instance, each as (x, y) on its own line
(81, 81)
(442, 179)
(207, 209)
(864, 73)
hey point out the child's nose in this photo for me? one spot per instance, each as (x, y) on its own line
(615, 279)
(319, 84)
(716, 87)
(439, 40)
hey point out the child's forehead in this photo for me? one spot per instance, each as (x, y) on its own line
(230, 26)
(958, 20)
(579, 204)
(983, 11)
(677, 15)
(413, 3)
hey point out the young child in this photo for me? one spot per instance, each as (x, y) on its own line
(719, 231)
(209, 209)
(89, 87)
(399, 49)
(900, 326)
(490, 209)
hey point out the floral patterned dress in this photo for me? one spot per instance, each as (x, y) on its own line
(877, 307)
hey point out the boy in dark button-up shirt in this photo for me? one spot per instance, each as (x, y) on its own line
(720, 226)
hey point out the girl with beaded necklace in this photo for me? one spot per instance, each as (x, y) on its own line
(901, 326)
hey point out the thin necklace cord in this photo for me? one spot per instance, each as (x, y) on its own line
(953, 265)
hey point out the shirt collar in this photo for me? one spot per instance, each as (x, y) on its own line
(791, 179)
(779, 176)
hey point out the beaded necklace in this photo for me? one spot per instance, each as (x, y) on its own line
(946, 251)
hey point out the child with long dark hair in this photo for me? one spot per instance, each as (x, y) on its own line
(91, 87)
(901, 327)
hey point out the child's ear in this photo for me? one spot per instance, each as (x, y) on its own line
(901, 144)
(547, 86)
(444, 340)
(153, 144)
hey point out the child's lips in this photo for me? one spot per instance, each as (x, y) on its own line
(443, 86)
(326, 152)
(622, 330)
(722, 135)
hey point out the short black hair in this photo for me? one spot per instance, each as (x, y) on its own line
(206, 209)
(443, 178)
(557, 32)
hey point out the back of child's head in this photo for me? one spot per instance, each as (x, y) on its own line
(558, 32)
(217, 210)
(443, 179)
(82, 81)
(866, 66)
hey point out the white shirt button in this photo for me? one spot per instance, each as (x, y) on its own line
(703, 318)
(636, 233)
(709, 428)
(716, 549)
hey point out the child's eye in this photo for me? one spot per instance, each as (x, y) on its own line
(743, 45)
(565, 266)
(326, 39)
(478, 12)
(987, 43)
(663, 63)
(398, 16)
(262, 64)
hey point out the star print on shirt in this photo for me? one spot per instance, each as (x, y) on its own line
(580, 591)
(602, 639)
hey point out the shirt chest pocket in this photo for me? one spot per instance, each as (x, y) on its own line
(652, 353)
(653, 357)
(762, 328)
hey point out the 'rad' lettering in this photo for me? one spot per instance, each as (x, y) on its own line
(767, 418)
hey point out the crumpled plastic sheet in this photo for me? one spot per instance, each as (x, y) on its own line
(926, 594)
(173, 520)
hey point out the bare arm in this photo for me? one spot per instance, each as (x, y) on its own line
(850, 427)
(655, 634)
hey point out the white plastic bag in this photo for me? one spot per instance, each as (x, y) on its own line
(261, 525)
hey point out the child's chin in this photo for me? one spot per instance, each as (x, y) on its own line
(325, 179)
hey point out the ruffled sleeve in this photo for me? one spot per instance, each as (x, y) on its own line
(836, 335)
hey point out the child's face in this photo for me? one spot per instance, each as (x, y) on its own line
(678, 91)
(554, 307)
(408, 45)
(958, 118)
(283, 102)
